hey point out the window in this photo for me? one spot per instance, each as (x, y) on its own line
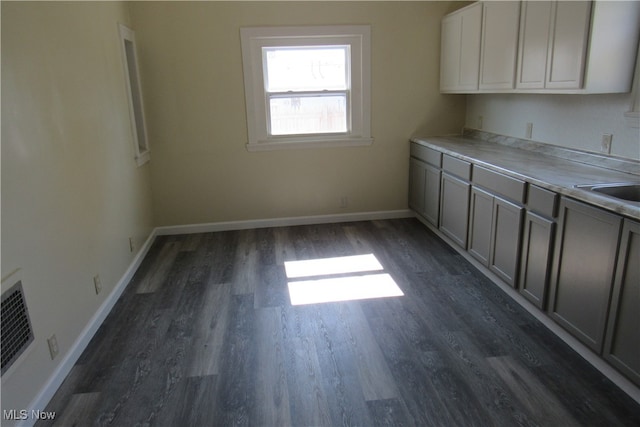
(134, 92)
(307, 86)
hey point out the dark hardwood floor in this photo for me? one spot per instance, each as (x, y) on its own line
(205, 335)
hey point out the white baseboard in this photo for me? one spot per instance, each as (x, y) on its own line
(282, 222)
(596, 361)
(46, 393)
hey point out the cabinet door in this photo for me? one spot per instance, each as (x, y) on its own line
(622, 347)
(537, 247)
(480, 220)
(417, 170)
(432, 194)
(583, 266)
(505, 242)
(500, 22)
(454, 209)
(568, 45)
(460, 49)
(535, 23)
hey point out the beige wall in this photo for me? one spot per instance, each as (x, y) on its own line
(192, 78)
(71, 192)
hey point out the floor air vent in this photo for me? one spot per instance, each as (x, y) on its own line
(16, 326)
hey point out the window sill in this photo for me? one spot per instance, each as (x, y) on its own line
(308, 143)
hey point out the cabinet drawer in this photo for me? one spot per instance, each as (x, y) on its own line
(511, 188)
(542, 201)
(456, 167)
(426, 154)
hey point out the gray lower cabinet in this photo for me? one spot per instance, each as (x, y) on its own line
(622, 345)
(505, 240)
(432, 194)
(417, 180)
(480, 223)
(454, 208)
(583, 267)
(424, 190)
(494, 233)
(537, 247)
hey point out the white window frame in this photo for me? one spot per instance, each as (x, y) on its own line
(142, 153)
(358, 37)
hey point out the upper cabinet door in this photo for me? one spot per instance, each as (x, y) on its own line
(460, 49)
(500, 22)
(535, 24)
(570, 22)
(553, 44)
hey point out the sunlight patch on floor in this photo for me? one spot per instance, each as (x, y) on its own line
(327, 266)
(353, 286)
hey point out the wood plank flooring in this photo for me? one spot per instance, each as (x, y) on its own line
(205, 335)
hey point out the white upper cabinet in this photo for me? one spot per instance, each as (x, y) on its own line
(553, 44)
(613, 44)
(460, 49)
(560, 47)
(500, 22)
(568, 44)
(535, 25)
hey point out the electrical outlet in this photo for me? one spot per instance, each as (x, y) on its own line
(479, 125)
(97, 284)
(131, 245)
(605, 145)
(529, 131)
(53, 346)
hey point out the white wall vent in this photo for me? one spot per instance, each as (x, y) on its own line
(16, 329)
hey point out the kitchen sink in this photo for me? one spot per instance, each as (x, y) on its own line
(624, 191)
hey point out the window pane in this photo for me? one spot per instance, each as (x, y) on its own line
(306, 68)
(308, 114)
